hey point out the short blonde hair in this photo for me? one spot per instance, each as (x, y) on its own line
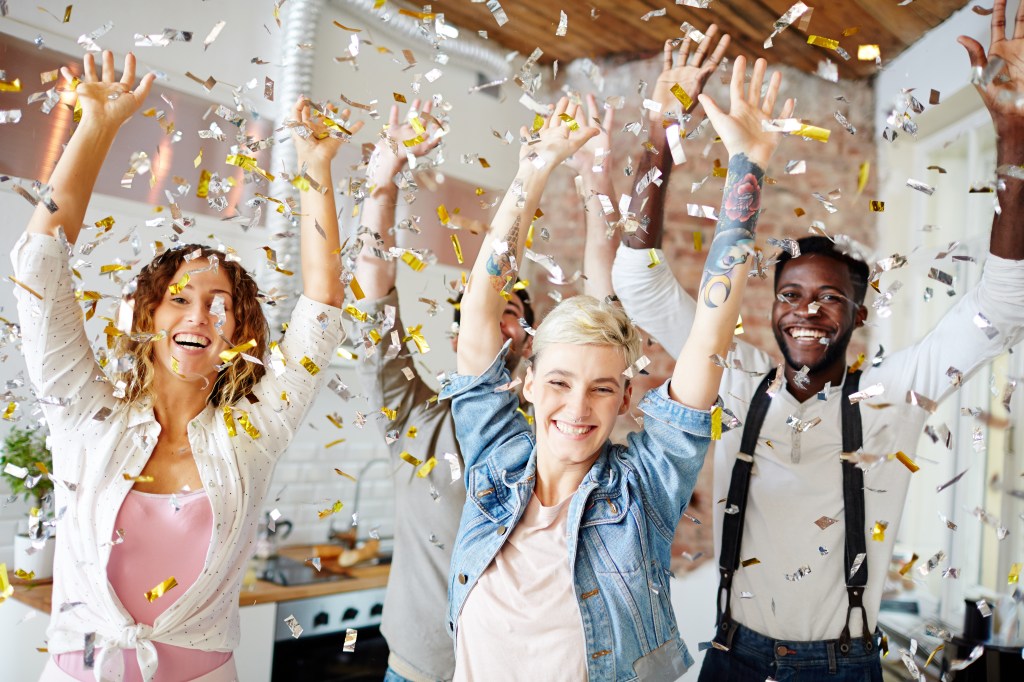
(584, 320)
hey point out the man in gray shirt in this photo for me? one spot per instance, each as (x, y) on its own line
(428, 502)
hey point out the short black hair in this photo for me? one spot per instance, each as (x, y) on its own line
(523, 295)
(823, 246)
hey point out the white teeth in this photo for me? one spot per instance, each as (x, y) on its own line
(801, 333)
(572, 430)
(191, 340)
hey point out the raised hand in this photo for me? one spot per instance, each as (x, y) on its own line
(742, 129)
(585, 158)
(104, 101)
(558, 138)
(325, 138)
(1002, 94)
(690, 71)
(384, 163)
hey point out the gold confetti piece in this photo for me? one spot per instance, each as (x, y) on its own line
(877, 206)
(413, 141)
(716, 422)
(161, 589)
(410, 459)
(812, 133)
(391, 414)
(333, 443)
(229, 421)
(878, 531)
(857, 363)
(862, 176)
(750, 562)
(10, 86)
(458, 248)
(483, 162)
(413, 261)
(399, 97)
(853, 30)
(346, 28)
(1014, 576)
(137, 479)
(655, 261)
(868, 53)
(538, 123)
(681, 95)
(247, 163)
(6, 589)
(936, 650)
(310, 366)
(698, 241)
(910, 564)
(231, 353)
(570, 121)
(799, 212)
(719, 171)
(422, 16)
(442, 214)
(114, 267)
(820, 41)
(342, 473)
(22, 574)
(177, 287)
(355, 313)
(427, 467)
(9, 412)
(416, 336)
(357, 290)
(824, 522)
(333, 509)
(907, 462)
(413, 431)
(247, 425)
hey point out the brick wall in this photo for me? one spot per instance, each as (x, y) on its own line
(830, 166)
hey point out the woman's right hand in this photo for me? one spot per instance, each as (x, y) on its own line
(558, 138)
(106, 102)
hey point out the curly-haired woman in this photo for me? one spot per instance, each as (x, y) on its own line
(162, 468)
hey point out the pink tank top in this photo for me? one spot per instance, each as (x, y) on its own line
(161, 540)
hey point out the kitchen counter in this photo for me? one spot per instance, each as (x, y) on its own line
(38, 596)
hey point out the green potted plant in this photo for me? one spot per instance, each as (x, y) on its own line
(25, 462)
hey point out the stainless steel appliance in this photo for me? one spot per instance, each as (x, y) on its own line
(319, 652)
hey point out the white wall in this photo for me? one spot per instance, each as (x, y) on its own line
(304, 481)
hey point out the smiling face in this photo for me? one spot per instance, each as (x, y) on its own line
(577, 392)
(815, 312)
(193, 344)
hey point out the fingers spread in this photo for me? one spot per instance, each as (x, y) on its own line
(142, 91)
(89, 68)
(975, 52)
(788, 108)
(773, 93)
(739, 70)
(756, 81)
(999, 21)
(128, 77)
(719, 53)
(666, 62)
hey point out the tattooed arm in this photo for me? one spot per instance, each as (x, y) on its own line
(696, 378)
(497, 265)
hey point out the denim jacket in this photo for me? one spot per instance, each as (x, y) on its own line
(621, 520)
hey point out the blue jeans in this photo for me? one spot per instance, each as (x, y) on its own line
(755, 657)
(392, 676)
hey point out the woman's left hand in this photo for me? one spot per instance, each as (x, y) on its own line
(742, 129)
(319, 147)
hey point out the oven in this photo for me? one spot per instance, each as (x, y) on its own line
(319, 652)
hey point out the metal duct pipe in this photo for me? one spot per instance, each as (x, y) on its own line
(296, 77)
(475, 51)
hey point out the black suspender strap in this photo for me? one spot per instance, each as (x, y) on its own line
(735, 510)
(736, 507)
(853, 512)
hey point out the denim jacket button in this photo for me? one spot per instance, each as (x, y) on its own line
(501, 530)
(462, 578)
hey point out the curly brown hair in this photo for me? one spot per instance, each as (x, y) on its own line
(239, 378)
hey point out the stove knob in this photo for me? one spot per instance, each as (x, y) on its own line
(320, 619)
(376, 609)
(350, 614)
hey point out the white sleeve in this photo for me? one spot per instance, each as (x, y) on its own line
(957, 340)
(61, 365)
(653, 297)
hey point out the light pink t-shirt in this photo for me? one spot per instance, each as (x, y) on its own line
(522, 621)
(161, 540)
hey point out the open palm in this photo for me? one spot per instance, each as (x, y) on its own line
(1002, 92)
(690, 71)
(105, 100)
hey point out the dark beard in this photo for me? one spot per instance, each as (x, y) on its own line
(835, 352)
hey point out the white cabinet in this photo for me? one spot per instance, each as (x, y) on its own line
(23, 631)
(254, 656)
